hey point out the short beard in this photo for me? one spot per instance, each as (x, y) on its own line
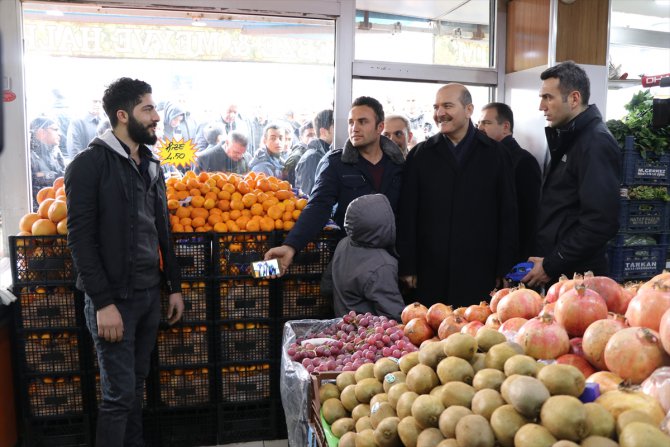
(139, 133)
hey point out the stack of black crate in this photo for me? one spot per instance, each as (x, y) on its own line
(51, 351)
(643, 218)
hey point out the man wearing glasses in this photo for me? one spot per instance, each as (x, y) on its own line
(46, 159)
(397, 128)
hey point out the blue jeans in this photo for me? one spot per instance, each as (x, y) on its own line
(124, 367)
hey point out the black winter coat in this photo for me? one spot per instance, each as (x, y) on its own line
(457, 223)
(579, 209)
(101, 217)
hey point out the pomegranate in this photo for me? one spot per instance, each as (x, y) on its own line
(418, 331)
(522, 302)
(608, 289)
(460, 311)
(543, 338)
(665, 331)
(577, 308)
(648, 306)
(634, 353)
(578, 362)
(607, 381)
(411, 311)
(497, 295)
(451, 325)
(595, 339)
(618, 317)
(472, 327)
(570, 284)
(510, 327)
(552, 294)
(576, 346)
(662, 279)
(548, 309)
(492, 321)
(437, 313)
(478, 312)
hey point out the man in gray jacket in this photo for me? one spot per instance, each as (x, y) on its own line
(365, 269)
(305, 171)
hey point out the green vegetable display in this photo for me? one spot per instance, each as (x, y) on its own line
(649, 193)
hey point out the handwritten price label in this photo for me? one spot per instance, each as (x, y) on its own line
(177, 152)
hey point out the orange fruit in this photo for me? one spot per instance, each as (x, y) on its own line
(183, 211)
(45, 193)
(289, 205)
(235, 214)
(242, 221)
(181, 195)
(223, 205)
(288, 224)
(211, 195)
(195, 192)
(213, 219)
(246, 212)
(204, 189)
(209, 204)
(220, 227)
(283, 195)
(198, 222)
(236, 204)
(234, 179)
(207, 227)
(229, 188)
(284, 185)
(300, 204)
(216, 211)
(57, 211)
(174, 220)
(270, 203)
(256, 209)
(296, 214)
(253, 225)
(43, 209)
(170, 181)
(200, 229)
(274, 212)
(243, 187)
(193, 184)
(223, 195)
(188, 229)
(267, 224)
(60, 192)
(199, 212)
(197, 201)
(236, 196)
(232, 227)
(43, 227)
(288, 215)
(249, 199)
(225, 216)
(61, 227)
(180, 186)
(185, 221)
(279, 224)
(27, 221)
(177, 228)
(189, 174)
(263, 184)
(172, 204)
(203, 177)
(58, 183)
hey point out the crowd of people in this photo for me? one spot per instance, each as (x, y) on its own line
(447, 217)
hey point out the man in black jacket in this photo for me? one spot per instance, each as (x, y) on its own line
(118, 235)
(497, 122)
(579, 207)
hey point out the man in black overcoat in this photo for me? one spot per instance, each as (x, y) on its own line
(457, 233)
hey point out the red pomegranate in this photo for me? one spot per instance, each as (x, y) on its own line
(478, 312)
(609, 290)
(418, 331)
(543, 338)
(578, 362)
(577, 308)
(450, 325)
(648, 306)
(522, 302)
(595, 339)
(437, 313)
(497, 295)
(411, 311)
(634, 353)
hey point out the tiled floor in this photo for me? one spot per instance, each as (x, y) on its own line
(275, 443)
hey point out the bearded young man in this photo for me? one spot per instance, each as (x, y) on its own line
(118, 232)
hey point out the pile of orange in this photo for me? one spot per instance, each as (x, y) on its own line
(51, 216)
(231, 203)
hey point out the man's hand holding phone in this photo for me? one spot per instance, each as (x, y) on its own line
(283, 254)
(265, 269)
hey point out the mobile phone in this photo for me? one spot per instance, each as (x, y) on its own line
(263, 269)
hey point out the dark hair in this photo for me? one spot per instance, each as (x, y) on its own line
(373, 104)
(305, 127)
(570, 77)
(238, 137)
(323, 120)
(504, 113)
(270, 126)
(466, 97)
(123, 94)
(212, 132)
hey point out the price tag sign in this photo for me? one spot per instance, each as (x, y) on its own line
(177, 152)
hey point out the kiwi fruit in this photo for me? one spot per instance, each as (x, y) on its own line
(421, 379)
(457, 393)
(328, 390)
(379, 412)
(488, 378)
(448, 443)
(453, 369)
(366, 388)
(505, 421)
(565, 443)
(450, 417)
(636, 434)
(333, 410)
(600, 422)
(386, 433)
(487, 338)
(437, 391)
(521, 364)
(365, 371)
(526, 394)
(384, 366)
(498, 354)
(408, 361)
(562, 379)
(478, 361)
(533, 435)
(344, 379)
(392, 379)
(363, 424)
(565, 417)
(598, 441)
(431, 354)
(628, 416)
(378, 398)
(485, 401)
(366, 438)
(474, 430)
(404, 405)
(348, 397)
(460, 345)
(429, 437)
(408, 430)
(395, 392)
(359, 411)
(348, 440)
(342, 426)
(426, 410)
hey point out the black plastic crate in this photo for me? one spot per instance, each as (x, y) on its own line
(186, 386)
(636, 262)
(194, 254)
(243, 299)
(644, 216)
(316, 255)
(50, 351)
(54, 395)
(652, 170)
(245, 382)
(245, 341)
(187, 427)
(183, 344)
(40, 260)
(40, 307)
(253, 421)
(234, 252)
(301, 298)
(195, 294)
(56, 432)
